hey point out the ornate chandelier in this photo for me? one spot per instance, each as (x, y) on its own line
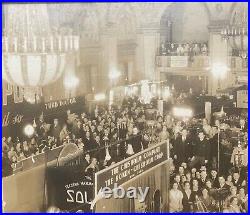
(34, 54)
(237, 32)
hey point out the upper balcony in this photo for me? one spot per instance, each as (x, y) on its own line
(199, 64)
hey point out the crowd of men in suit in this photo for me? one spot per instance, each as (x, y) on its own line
(111, 134)
(198, 184)
(183, 49)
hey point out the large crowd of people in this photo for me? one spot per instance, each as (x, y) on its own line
(198, 184)
(96, 134)
(114, 133)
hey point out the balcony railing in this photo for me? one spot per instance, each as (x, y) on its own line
(236, 64)
(182, 61)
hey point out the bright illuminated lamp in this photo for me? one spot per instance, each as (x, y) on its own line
(34, 53)
(182, 112)
(114, 75)
(29, 130)
(111, 97)
(166, 93)
(70, 82)
(219, 70)
(100, 97)
(145, 92)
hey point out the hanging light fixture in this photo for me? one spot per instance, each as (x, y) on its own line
(237, 32)
(33, 55)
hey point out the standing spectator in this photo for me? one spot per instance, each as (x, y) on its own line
(136, 141)
(204, 50)
(242, 198)
(202, 152)
(234, 207)
(196, 50)
(207, 201)
(172, 50)
(64, 133)
(214, 178)
(56, 129)
(6, 165)
(163, 49)
(86, 161)
(188, 198)
(181, 148)
(233, 193)
(175, 199)
(187, 49)
(180, 50)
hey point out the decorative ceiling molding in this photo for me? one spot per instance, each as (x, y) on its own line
(128, 17)
(218, 10)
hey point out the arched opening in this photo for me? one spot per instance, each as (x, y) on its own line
(185, 22)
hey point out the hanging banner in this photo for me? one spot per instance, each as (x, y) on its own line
(179, 61)
(58, 109)
(69, 189)
(18, 113)
(131, 167)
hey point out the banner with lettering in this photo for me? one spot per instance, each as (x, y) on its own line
(58, 109)
(18, 112)
(179, 61)
(16, 115)
(131, 167)
(69, 189)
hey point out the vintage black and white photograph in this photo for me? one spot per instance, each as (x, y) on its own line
(125, 107)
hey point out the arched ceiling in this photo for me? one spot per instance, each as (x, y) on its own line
(94, 17)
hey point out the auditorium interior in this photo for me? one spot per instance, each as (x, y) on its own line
(125, 107)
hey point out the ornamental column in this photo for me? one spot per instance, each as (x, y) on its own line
(146, 50)
(109, 56)
(219, 73)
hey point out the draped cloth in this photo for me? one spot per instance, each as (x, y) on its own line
(156, 179)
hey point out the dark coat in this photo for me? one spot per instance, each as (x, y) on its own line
(135, 141)
(181, 149)
(55, 132)
(203, 149)
(188, 202)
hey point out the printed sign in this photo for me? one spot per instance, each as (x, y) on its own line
(69, 189)
(17, 114)
(60, 103)
(131, 167)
